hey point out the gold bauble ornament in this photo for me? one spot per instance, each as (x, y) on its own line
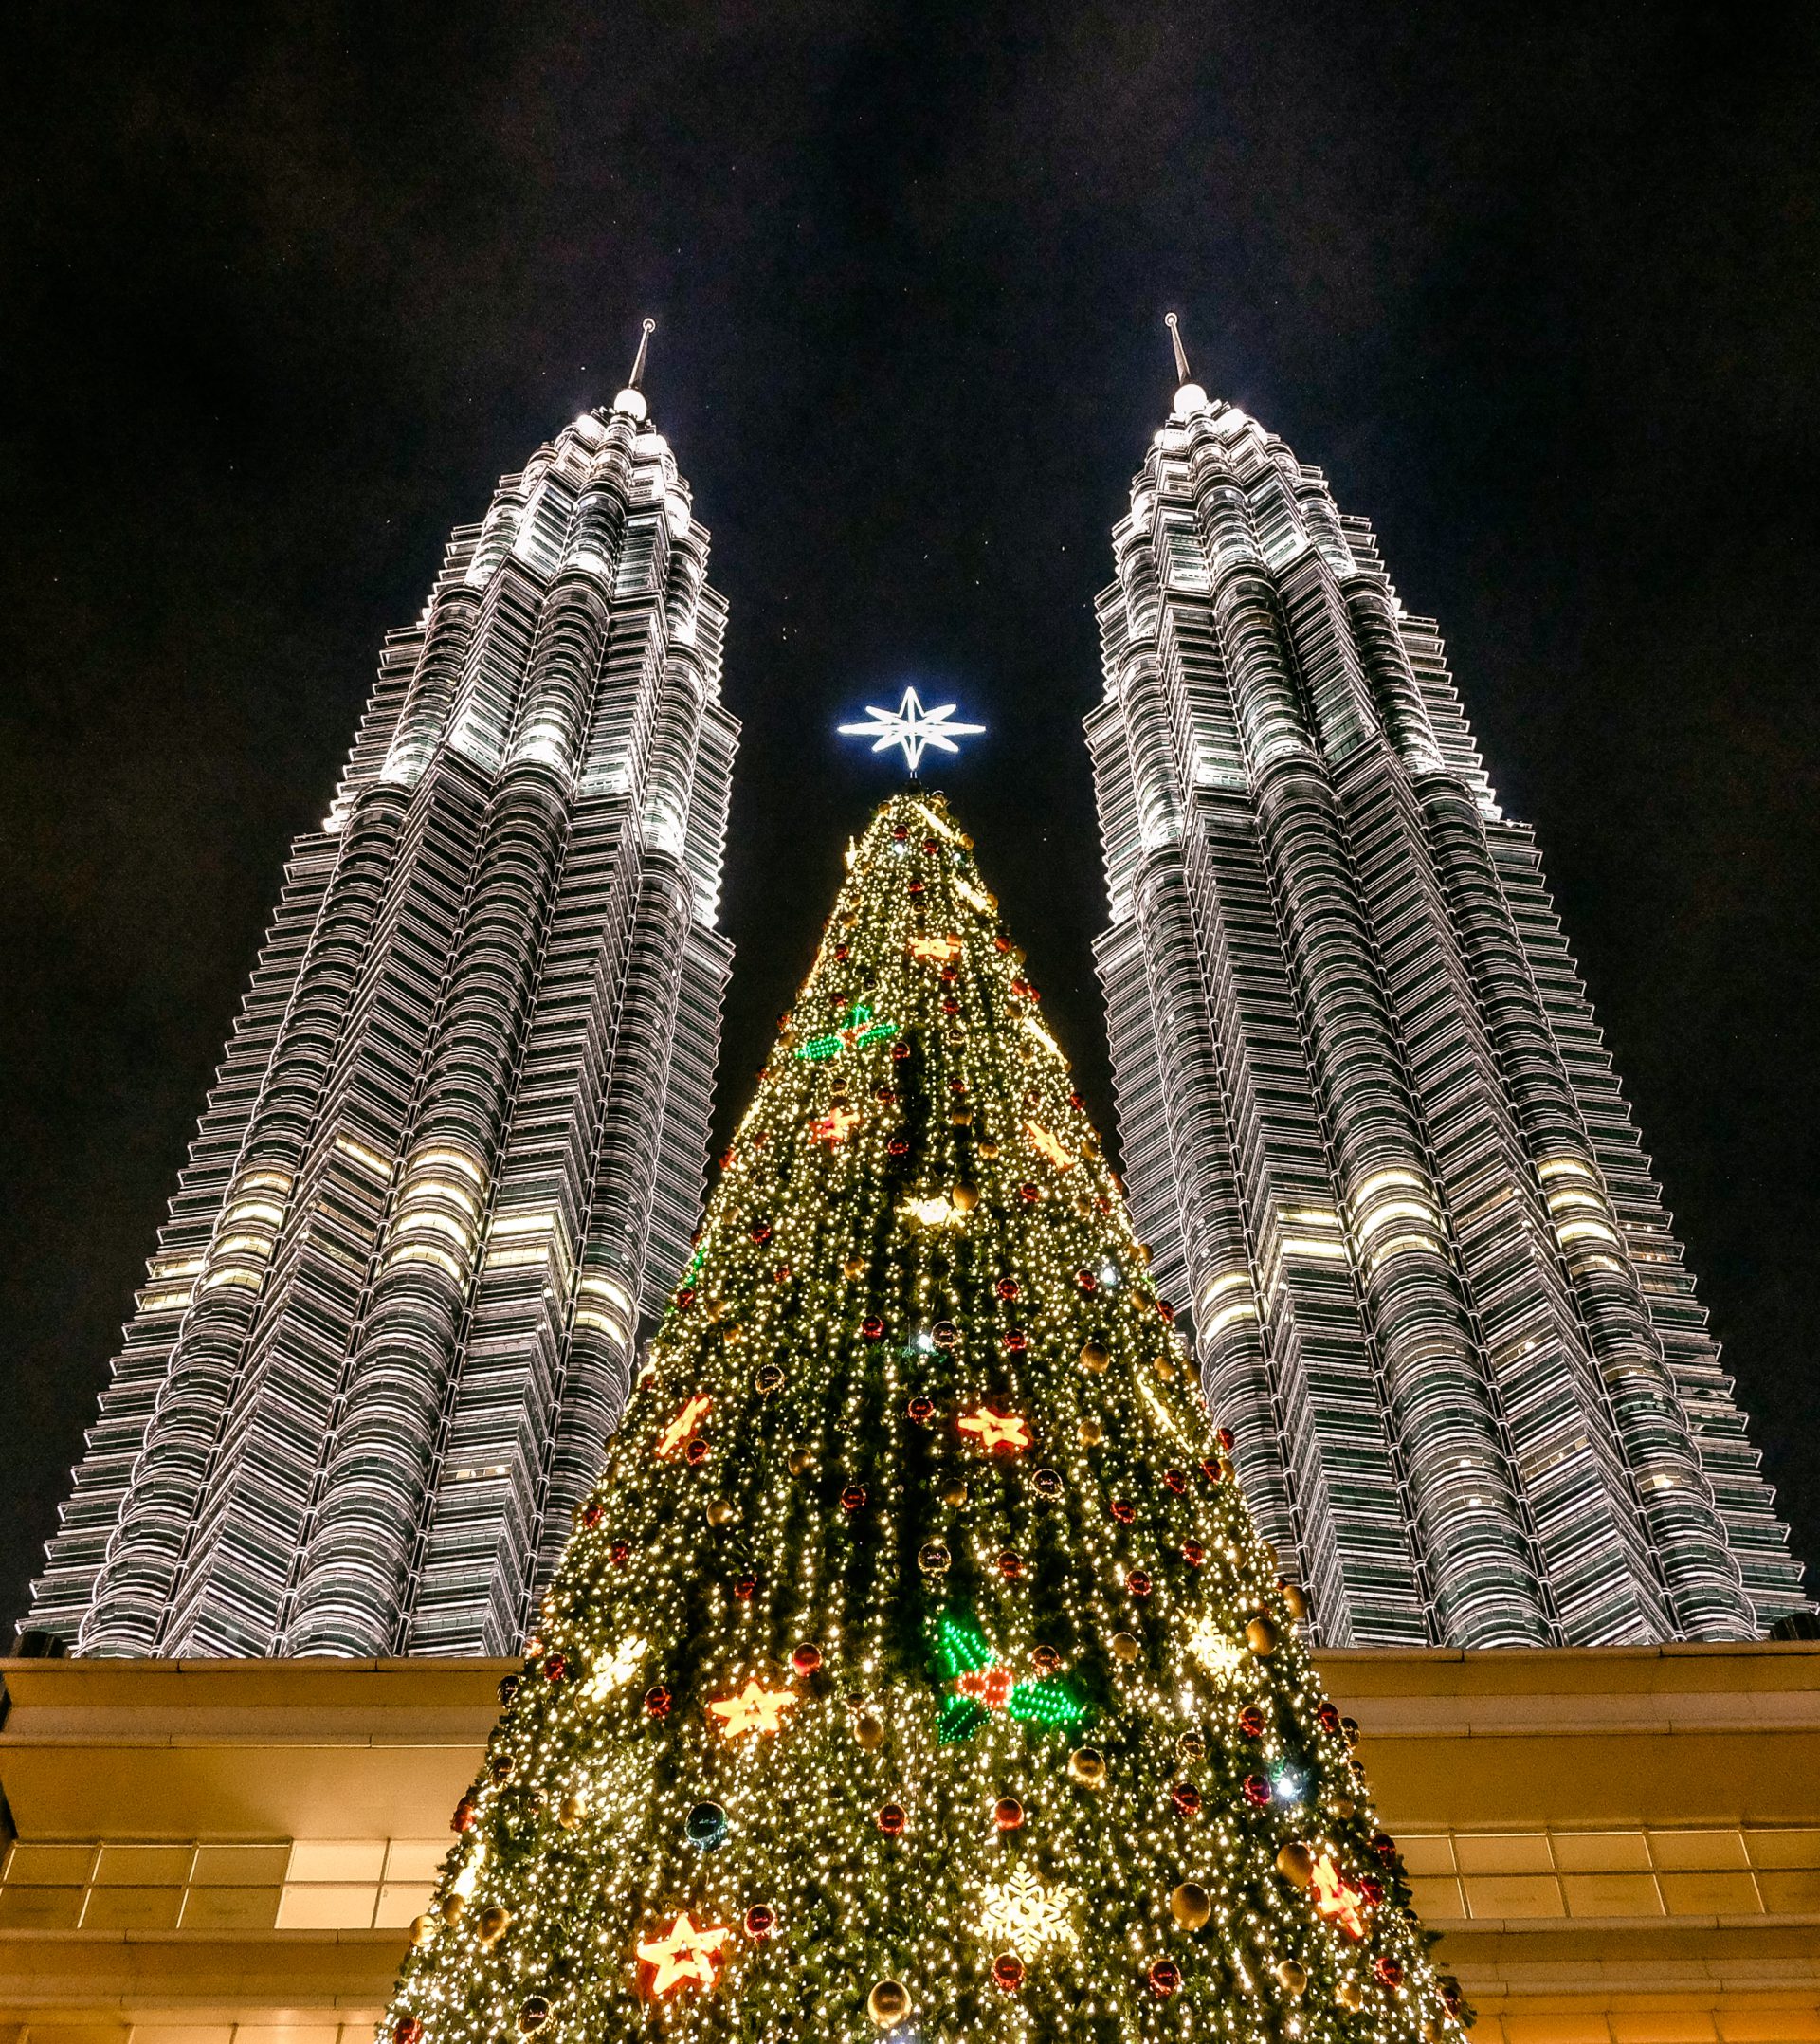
(962, 1118)
(1094, 1357)
(1292, 1976)
(988, 1150)
(422, 1929)
(491, 1924)
(1349, 1993)
(800, 1459)
(1190, 1906)
(889, 2003)
(767, 1379)
(1125, 1648)
(454, 1908)
(1260, 1636)
(1092, 1433)
(963, 1199)
(1293, 1602)
(573, 1809)
(870, 1731)
(1165, 1369)
(1087, 1765)
(933, 1558)
(718, 1309)
(1296, 1863)
(854, 1266)
(721, 1513)
(1191, 1747)
(956, 1495)
(733, 1334)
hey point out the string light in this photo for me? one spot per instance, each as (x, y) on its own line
(828, 1616)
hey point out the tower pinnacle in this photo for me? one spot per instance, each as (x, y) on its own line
(1189, 397)
(631, 399)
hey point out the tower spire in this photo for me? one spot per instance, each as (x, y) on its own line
(644, 340)
(630, 401)
(1175, 326)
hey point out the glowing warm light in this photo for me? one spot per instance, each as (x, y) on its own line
(754, 1709)
(1048, 1147)
(1336, 1897)
(1223, 1657)
(996, 1431)
(1021, 1912)
(834, 1126)
(683, 1427)
(934, 950)
(684, 1955)
(617, 1671)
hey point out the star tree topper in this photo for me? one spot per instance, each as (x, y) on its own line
(912, 727)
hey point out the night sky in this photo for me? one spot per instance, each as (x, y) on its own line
(286, 287)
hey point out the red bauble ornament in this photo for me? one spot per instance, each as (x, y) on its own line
(1187, 1799)
(1010, 1564)
(1007, 1287)
(780, 1275)
(1372, 1888)
(745, 1587)
(915, 887)
(591, 1513)
(1008, 1812)
(1328, 1717)
(657, 1701)
(1212, 1472)
(1176, 1480)
(901, 831)
(464, 1814)
(1257, 1791)
(1045, 1660)
(900, 1052)
(1086, 1281)
(1194, 1553)
(696, 1452)
(1251, 1721)
(1138, 1582)
(840, 951)
(853, 1498)
(1076, 1101)
(1167, 1310)
(1001, 944)
(929, 845)
(951, 972)
(1384, 1845)
(891, 1820)
(1386, 1972)
(1123, 1511)
(807, 1658)
(407, 2030)
(1165, 1977)
(762, 1231)
(872, 1329)
(1015, 1341)
(555, 1667)
(1027, 1194)
(1007, 1973)
(1225, 1438)
(760, 1920)
(922, 1410)
(950, 1008)
(686, 1296)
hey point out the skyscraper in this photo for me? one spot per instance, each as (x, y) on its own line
(1371, 1132)
(458, 1143)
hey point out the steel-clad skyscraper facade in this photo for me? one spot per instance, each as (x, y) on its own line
(1369, 1128)
(458, 1143)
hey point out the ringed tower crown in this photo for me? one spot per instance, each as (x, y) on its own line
(458, 1143)
(1371, 1127)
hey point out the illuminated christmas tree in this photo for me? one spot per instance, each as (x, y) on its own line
(915, 1665)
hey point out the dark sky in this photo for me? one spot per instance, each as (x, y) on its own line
(285, 287)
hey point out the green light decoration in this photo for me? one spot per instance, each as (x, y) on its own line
(853, 1034)
(837, 1723)
(983, 1684)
